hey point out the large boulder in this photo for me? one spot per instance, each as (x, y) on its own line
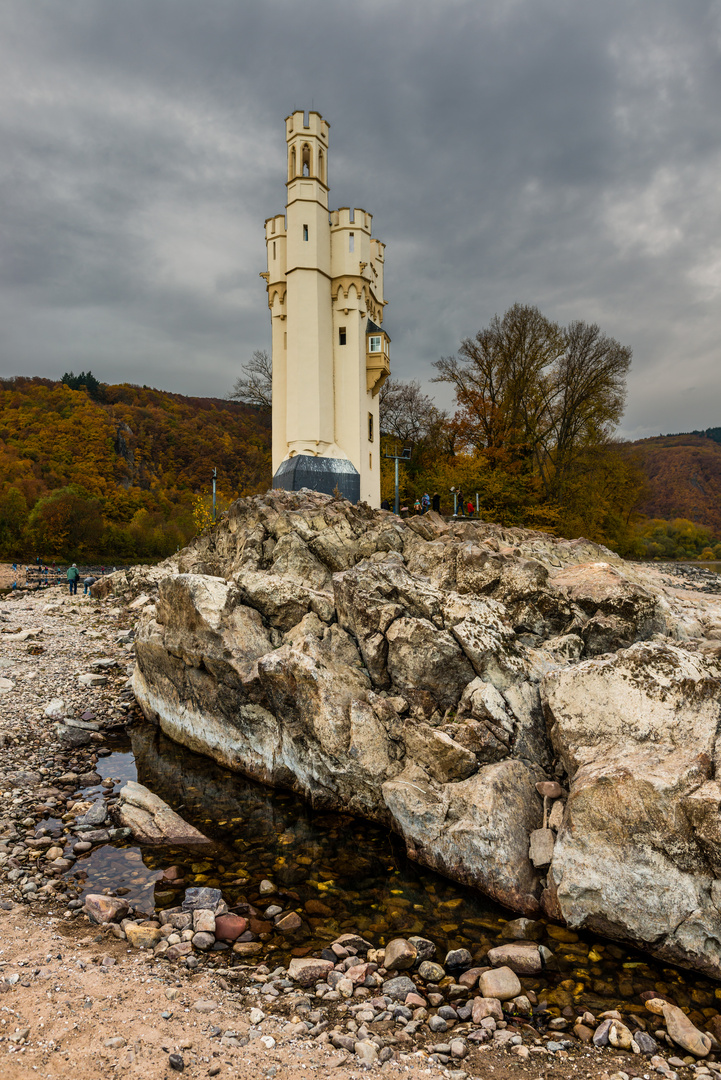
(429, 674)
(637, 856)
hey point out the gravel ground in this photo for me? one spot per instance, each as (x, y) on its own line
(75, 1001)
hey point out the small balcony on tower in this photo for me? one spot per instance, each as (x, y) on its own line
(378, 364)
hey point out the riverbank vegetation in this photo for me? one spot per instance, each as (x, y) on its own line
(123, 473)
(531, 441)
(118, 471)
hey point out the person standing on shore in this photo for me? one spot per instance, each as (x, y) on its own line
(73, 575)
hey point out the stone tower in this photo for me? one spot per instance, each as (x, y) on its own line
(330, 355)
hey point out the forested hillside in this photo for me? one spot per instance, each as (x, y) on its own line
(684, 478)
(118, 477)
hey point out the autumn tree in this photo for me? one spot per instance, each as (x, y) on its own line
(501, 383)
(66, 522)
(13, 518)
(256, 386)
(531, 391)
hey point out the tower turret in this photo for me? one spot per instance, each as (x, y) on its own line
(325, 281)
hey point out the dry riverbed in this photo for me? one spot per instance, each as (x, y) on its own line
(76, 1001)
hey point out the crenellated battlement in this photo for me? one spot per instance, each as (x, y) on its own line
(275, 227)
(324, 282)
(295, 124)
(346, 217)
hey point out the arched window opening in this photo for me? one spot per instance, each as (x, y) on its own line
(292, 164)
(306, 160)
(321, 166)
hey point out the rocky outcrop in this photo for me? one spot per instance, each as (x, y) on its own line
(638, 854)
(432, 675)
(151, 820)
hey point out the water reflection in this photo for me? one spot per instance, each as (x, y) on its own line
(343, 874)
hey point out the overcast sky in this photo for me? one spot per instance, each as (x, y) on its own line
(564, 153)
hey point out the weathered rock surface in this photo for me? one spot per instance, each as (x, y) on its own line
(431, 675)
(638, 855)
(151, 820)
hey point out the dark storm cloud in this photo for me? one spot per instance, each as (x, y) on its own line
(554, 152)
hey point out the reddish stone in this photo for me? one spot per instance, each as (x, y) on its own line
(415, 1001)
(171, 875)
(317, 907)
(551, 789)
(310, 970)
(230, 927)
(357, 974)
(260, 926)
(583, 1032)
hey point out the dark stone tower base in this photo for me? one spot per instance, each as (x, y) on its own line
(322, 474)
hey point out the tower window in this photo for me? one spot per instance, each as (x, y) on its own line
(374, 344)
(341, 335)
(306, 160)
(285, 340)
(274, 249)
(321, 166)
(351, 241)
(305, 232)
(370, 427)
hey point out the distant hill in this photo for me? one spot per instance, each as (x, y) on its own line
(684, 477)
(130, 459)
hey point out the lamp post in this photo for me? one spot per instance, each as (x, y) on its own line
(405, 455)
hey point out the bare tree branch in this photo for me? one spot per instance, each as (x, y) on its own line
(257, 386)
(406, 413)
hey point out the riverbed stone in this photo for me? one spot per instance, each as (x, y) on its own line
(152, 821)
(201, 897)
(684, 1033)
(399, 955)
(248, 948)
(142, 937)
(105, 909)
(523, 959)
(308, 970)
(425, 948)
(289, 922)
(203, 941)
(399, 987)
(486, 1006)
(501, 983)
(95, 816)
(431, 972)
(458, 958)
(203, 921)
(230, 927)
